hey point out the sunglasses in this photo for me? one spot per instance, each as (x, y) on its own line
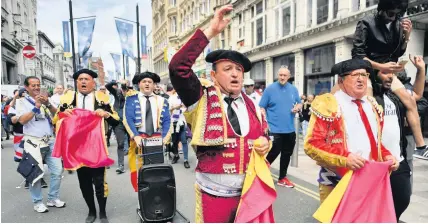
(393, 14)
(248, 86)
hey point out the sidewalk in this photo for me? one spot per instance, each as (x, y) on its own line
(417, 211)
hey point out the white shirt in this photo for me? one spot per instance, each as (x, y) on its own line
(55, 100)
(357, 138)
(255, 97)
(89, 101)
(391, 129)
(154, 101)
(241, 111)
(35, 127)
(388, 26)
(177, 114)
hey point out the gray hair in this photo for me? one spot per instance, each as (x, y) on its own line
(282, 67)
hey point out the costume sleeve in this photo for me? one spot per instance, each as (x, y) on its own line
(359, 49)
(114, 119)
(184, 80)
(320, 148)
(166, 123)
(129, 117)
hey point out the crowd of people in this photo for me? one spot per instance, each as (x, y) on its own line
(369, 116)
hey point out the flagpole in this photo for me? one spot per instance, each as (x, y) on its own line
(124, 75)
(138, 42)
(70, 7)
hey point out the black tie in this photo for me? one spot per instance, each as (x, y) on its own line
(233, 119)
(84, 97)
(149, 117)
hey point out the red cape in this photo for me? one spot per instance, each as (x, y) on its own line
(80, 140)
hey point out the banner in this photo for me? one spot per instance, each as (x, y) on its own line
(125, 31)
(85, 60)
(143, 42)
(66, 37)
(85, 29)
(110, 75)
(117, 65)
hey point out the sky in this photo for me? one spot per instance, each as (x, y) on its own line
(51, 13)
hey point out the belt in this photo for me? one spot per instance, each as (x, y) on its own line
(44, 138)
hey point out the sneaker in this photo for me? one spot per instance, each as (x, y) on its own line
(120, 169)
(186, 165)
(40, 208)
(44, 184)
(56, 203)
(27, 185)
(421, 154)
(175, 159)
(285, 182)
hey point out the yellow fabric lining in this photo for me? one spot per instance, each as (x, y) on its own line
(199, 217)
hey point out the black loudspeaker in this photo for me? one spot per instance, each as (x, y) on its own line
(156, 193)
(152, 151)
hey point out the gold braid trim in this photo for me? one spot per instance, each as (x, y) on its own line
(325, 107)
(199, 217)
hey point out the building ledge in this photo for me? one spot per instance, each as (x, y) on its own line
(9, 45)
(48, 77)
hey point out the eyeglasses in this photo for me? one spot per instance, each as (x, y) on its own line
(357, 75)
(246, 86)
(391, 13)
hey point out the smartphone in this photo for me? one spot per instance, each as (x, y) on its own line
(403, 62)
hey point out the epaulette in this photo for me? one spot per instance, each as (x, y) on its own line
(206, 83)
(325, 107)
(377, 106)
(102, 97)
(131, 92)
(67, 98)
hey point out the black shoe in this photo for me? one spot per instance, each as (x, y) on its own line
(175, 159)
(108, 144)
(70, 172)
(44, 184)
(186, 165)
(120, 169)
(27, 185)
(91, 217)
(103, 219)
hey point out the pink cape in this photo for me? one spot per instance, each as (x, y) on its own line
(80, 141)
(368, 197)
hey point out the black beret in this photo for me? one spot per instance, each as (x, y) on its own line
(87, 71)
(346, 67)
(137, 78)
(228, 55)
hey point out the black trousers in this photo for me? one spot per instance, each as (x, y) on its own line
(401, 188)
(109, 131)
(284, 144)
(93, 176)
(175, 138)
(119, 132)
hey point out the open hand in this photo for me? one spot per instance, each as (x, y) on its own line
(406, 24)
(418, 61)
(218, 22)
(391, 67)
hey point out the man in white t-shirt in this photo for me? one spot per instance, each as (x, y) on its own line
(59, 91)
(393, 138)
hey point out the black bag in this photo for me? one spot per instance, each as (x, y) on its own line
(156, 193)
(29, 167)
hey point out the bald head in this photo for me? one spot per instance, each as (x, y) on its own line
(283, 75)
(59, 89)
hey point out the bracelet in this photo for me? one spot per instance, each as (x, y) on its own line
(36, 110)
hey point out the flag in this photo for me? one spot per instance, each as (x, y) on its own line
(258, 181)
(359, 195)
(85, 60)
(117, 64)
(110, 75)
(125, 31)
(85, 29)
(87, 132)
(66, 37)
(143, 42)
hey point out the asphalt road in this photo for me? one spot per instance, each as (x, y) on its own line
(292, 205)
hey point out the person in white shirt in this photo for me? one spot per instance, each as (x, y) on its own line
(344, 131)
(249, 90)
(178, 120)
(393, 138)
(59, 91)
(34, 113)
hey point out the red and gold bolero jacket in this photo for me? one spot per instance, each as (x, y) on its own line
(325, 141)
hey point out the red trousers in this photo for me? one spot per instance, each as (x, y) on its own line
(210, 208)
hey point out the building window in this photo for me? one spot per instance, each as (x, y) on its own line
(258, 71)
(335, 8)
(286, 21)
(371, 2)
(259, 8)
(18, 8)
(277, 19)
(172, 2)
(318, 63)
(355, 5)
(259, 30)
(173, 22)
(322, 11)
